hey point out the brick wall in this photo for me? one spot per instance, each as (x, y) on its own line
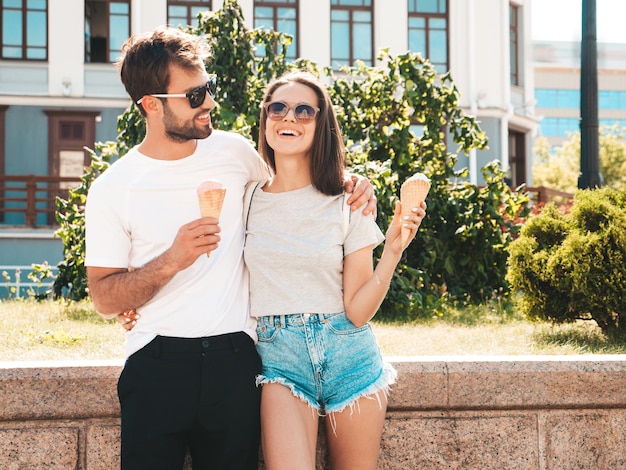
(514, 412)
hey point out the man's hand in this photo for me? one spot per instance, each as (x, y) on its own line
(192, 240)
(362, 192)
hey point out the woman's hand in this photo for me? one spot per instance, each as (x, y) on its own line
(411, 222)
(128, 319)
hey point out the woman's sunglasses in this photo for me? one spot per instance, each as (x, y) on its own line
(196, 96)
(303, 112)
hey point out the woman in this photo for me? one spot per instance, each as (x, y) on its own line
(313, 288)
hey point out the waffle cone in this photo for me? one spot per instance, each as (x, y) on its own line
(412, 193)
(211, 204)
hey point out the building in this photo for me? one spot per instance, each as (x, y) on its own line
(557, 87)
(60, 92)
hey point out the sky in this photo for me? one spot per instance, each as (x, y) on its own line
(560, 20)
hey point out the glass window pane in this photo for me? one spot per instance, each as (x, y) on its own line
(264, 13)
(340, 15)
(36, 54)
(546, 98)
(12, 52)
(549, 127)
(177, 15)
(438, 51)
(362, 16)
(36, 33)
(608, 100)
(417, 41)
(196, 10)
(438, 23)
(569, 99)
(119, 8)
(12, 28)
(340, 50)
(12, 3)
(417, 22)
(36, 4)
(363, 45)
(572, 125)
(286, 14)
(119, 31)
(427, 6)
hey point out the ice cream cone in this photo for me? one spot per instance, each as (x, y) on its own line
(210, 198)
(412, 192)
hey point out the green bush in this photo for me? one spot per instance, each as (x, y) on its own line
(573, 266)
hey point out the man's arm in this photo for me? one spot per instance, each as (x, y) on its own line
(115, 290)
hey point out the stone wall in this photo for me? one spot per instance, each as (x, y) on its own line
(515, 412)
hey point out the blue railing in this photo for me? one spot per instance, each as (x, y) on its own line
(16, 284)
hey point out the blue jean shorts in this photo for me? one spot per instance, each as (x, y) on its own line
(323, 358)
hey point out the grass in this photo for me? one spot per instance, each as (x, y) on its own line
(50, 331)
(31, 331)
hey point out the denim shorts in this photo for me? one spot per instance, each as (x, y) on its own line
(323, 358)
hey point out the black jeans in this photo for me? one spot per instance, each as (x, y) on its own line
(191, 393)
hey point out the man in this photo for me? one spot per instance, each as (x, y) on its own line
(188, 381)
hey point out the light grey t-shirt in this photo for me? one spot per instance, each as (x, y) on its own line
(294, 250)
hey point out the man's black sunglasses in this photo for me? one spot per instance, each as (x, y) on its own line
(196, 96)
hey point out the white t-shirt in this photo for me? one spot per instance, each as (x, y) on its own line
(134, 210)
(294, 251)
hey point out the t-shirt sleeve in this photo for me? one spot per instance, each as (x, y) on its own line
(258, 169)
(362, 231)
(107, 241)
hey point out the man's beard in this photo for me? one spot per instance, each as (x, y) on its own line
(178, 132)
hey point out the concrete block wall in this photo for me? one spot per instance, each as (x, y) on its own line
(517, 412)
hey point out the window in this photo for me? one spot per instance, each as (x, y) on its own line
(612, 99)
(428, 31)
(517, 158)
(570, 99)
(351, 32)
(553, 98)
(185, 12)
(24, 29)
(559, 127)
(514, 43)
(107, 26)
(281, 16)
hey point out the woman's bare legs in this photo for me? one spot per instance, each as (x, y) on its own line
(354, 437)
(288, 430)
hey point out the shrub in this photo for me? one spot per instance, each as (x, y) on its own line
(573, 266)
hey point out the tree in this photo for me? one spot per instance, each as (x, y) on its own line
(461, 247)
(560, 170)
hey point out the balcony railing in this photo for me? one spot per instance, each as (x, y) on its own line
(29, 200)
(541, 194)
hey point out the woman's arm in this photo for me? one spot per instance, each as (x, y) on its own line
(365, 288)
